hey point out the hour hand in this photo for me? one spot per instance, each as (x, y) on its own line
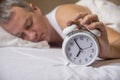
(78, 53)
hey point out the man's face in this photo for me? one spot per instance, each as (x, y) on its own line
(27, 25)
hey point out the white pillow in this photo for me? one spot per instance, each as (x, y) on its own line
(7, 40)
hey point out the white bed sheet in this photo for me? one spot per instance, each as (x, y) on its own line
(17, 63)
(107, 12)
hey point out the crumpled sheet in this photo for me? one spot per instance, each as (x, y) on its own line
(108, 12)
(18, 63)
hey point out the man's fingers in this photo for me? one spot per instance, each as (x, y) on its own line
(79, 16)
(89, 19)
(70, 22)
(76, 18)
(96, 25)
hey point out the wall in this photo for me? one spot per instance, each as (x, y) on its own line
(48, 5)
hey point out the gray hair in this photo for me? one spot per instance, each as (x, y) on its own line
(5, 8)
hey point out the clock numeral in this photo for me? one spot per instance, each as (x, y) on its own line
(92, 50)
(81, 37)
(69, 49)
(87, 40)
(71, 43)
(80, 61)
(70, 54)
(74, 58)
(86, 59)
(91, 55)
(91, 44)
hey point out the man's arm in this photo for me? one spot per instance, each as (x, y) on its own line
(114, 40)
(68, 12)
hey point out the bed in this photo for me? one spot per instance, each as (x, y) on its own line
(23, 60)
(18, 63)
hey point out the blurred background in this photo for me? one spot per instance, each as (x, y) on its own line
(47, 5)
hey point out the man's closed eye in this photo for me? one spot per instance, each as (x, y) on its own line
(29, 25)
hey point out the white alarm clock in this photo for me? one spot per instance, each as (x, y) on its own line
(80, 47)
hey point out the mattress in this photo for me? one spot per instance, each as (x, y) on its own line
(19, 63)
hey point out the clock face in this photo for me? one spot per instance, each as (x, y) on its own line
(81, 49)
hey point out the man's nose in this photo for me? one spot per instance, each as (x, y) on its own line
(31, 35)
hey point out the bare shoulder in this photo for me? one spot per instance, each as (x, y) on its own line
(69, 7)
(67, 11)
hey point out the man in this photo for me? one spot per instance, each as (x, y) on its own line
(26, 21)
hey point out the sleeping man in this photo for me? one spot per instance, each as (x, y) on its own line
(26, 21)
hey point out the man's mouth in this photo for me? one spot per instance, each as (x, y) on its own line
(37, 38)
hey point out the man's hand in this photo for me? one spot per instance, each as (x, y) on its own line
(89, 22)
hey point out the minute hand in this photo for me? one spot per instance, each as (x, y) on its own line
(78, 45)
(86, 47)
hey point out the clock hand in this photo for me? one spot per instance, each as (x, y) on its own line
(78, 45)
(86, 48)
(78, 53)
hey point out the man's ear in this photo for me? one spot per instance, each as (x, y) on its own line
(35, 8)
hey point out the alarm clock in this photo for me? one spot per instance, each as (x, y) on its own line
(80, 47)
